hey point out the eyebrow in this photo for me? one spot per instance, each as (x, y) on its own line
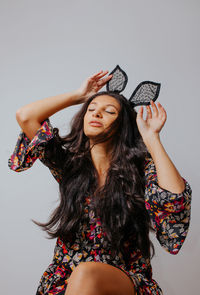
(107, 105)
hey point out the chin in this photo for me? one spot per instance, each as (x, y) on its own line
(91, 131)
(92, 134)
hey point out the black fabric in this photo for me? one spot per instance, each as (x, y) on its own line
(118, 81)
(143, 93)
(61, 293)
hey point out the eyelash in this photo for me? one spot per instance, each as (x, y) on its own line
(106, 111)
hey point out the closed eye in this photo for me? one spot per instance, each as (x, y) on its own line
(106, 111)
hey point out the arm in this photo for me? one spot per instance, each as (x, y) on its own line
(167, 194)
(30, 116)
(170, 213)
(36, 138)
(167, 174)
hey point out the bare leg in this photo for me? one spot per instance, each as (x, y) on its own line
(98, 278)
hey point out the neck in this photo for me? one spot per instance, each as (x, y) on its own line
(101, 156)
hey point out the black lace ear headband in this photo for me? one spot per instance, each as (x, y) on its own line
(143, 93)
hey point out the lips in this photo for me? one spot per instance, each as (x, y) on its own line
(95, 123)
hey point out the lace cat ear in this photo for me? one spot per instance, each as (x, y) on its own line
(142, 95)
(118, 81)
(144, 92)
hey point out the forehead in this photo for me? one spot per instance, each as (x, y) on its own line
(103, 100)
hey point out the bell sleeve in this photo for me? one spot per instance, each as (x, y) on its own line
(27, 151)
(169, 212)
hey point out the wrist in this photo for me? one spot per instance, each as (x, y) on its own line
(151, 138)
(77, 96)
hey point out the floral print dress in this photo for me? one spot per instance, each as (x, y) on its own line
(169, 212)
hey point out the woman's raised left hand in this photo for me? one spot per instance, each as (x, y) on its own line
(154, 121)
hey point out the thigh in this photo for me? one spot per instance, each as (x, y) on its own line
(104, 278)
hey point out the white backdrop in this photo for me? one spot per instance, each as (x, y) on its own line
(48, 48)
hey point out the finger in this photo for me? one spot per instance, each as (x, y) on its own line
(161, 107)
(155, 110)
(104, 81)
(149, 113)
(98, 75)
(140, 112)
(162, 110)
(102, 74)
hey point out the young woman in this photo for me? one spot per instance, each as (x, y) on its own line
(116, 183)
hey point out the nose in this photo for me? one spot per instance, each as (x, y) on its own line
(96, 113)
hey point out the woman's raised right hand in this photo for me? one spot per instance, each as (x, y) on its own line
(92, 85)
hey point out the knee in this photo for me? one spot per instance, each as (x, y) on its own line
(84, 278)
(84, 271)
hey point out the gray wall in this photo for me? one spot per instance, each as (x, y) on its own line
(50, 47)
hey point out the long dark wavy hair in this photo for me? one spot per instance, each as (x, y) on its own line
(119, 203)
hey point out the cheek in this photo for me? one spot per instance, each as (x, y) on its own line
(85, 122)
(85, 118)
(110, 121)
